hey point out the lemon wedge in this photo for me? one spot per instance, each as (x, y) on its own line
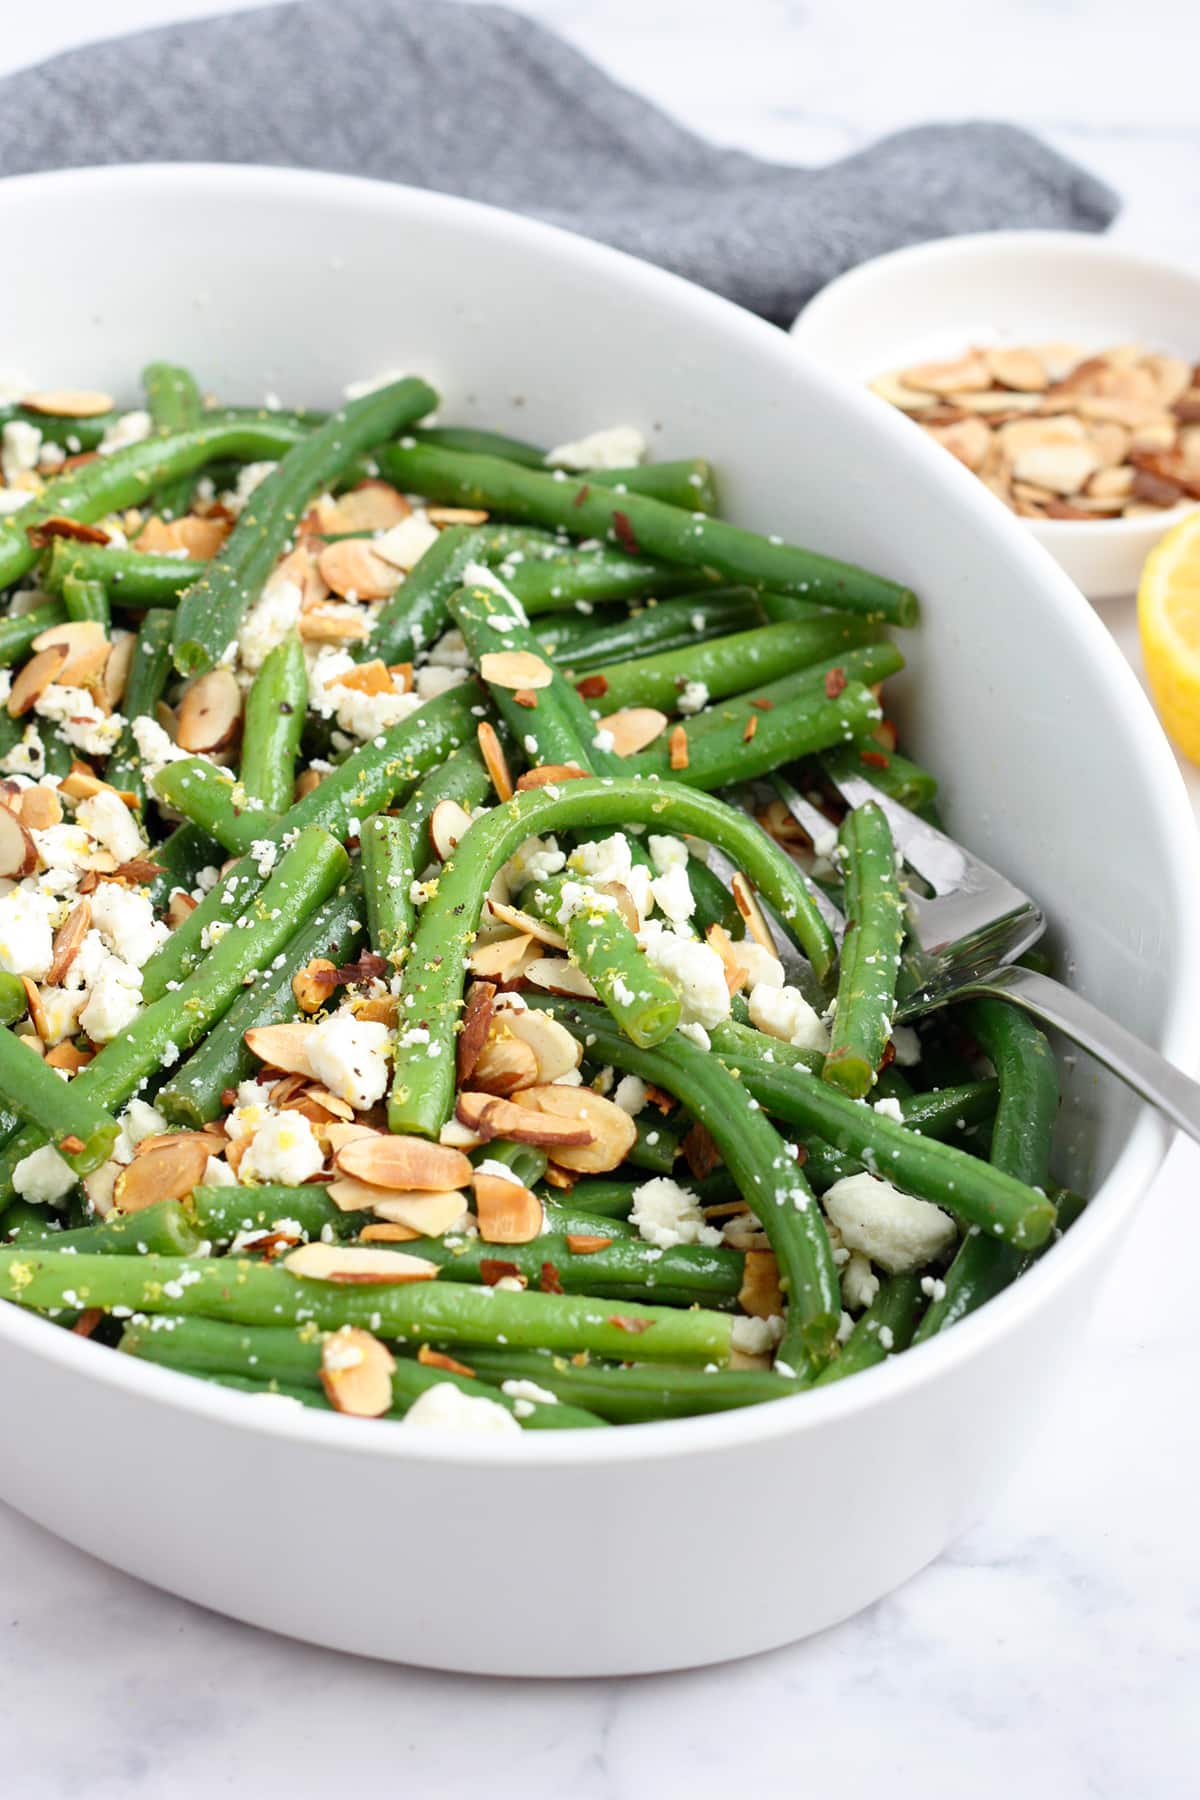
(1169, 623)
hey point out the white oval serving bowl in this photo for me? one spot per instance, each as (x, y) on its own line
(1015, 287)
(621, 1551)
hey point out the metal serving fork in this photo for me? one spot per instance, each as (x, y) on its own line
(966, 935)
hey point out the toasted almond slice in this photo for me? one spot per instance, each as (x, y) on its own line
(634, 727)
(1063, 468)
(448, 825)
(616, 890)
(18, 852)
(37, 1014)
(456, 1135)
(581, 1243)
(210, 711)
(38, 808)
(371, 506)
(1156, 435)
(494, 759)
(562, 1179)
(314, 983)
(555, 1051)
(760, 1294)
(515, 669)
(68, 940)
(555, 975)
(476, 1023)
(67, 1056)
(368, 678)
(504, 1063)
(428, 1215)
(282, 1047)
(87, 647)
(383, 1010)
(339, 1135)
(969, 440)
(994, 403)
(166, 1169)
(678, 745)
(69, 403)
(353, 570)
(389, 1161)
(970, 371)
(117, 667)
(613, 1132)
(527, 924)
(298, 569)
(503, 960)
(322, 625)
(507, 1212)
(718, 939)
(356, 1373)
(898, 393)
(319, 1105)
(59, 525)
(548, 774)
(387, 1234)
(456, 515)
(1020, 369)
(747, 905)
(348, 1263)
(437, 1359)
(493, 1118)
(200, 538)
(36, 676)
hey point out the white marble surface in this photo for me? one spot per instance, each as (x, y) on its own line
(1055, 1649)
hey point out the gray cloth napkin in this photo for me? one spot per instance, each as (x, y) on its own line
(484, 102)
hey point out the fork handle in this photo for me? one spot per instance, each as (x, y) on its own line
(1137, 1065)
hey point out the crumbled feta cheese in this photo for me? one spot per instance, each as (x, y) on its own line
(693, 697)
(250, 477)
(432, 681)
(673, 895)
(630, 1094)
(155, 748)
(13, 499)
(444, 1407)
(890, 1109)
(607, 859)
(896, 1230)
(860, 1284)
(114, 1001)
(616, 447)
(784, 1013)
(759, 964)
(666, 1214)
(362, 715)
(536, 860)
(667, 853)
(81, 720)
(284, 1149)
(28, 756)
(528, 1390)
(695, 970)
(107, 818)
(697, 1035)
(450, 651)
(264, 851)
(404, 545)
(20, 449)
(130, 428)
(491, 1165)
(43, 1177)
(60, 1013)
(141, 1120)
(26, 937)
(350, 1056)
(757, 1337)
(907, 1046)
(268, 622)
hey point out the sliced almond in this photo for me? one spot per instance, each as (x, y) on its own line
(200, 538)
(429, 1215)
(555, 975)
(448, 825)
(718, 939)
(752, 913)
(117, 667)
(527, 924)
(36, 676)
(613, 1132)
(371, 506)
(437, 1359)
(504, 960)
(456, 515)
(616, 890)
(210, 711)
(389, 1161)
(356, 1373)
(515, 669)
(167, 1169)
(455, 1133)
(504, 1063)
(282, 1047)
(493, 1118)
(353, 570)
(320, 1106)
(1020, 369)
(494, 760)
(478, 1013)
(970, 371)
(507, 1212)
(760, 1294)
(1063, 468)
(67, 1056)
(678, 747)
(555, 1051)
(38, 808)
(68, 940)
(387, 1234)
(898, 393)
(60, 525)
(69, 403)
(547, 774)
(37, 1014)
(314, 983)
(368, 678)
(581, 1243)
(86, 643)
(634, 727)
(322, 625)
(350, 1264)
(339, 1135)
(18, 852)
(969, 440)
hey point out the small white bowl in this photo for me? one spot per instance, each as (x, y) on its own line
(1015, 287)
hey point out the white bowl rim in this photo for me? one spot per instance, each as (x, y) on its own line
(1106, 1212)
(1085, 247)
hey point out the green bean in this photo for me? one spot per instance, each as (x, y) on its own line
(418, 612)
(638, 523)
(275, 711)
(563, 1218)
(292, 1360)
(386, 848)
(729, 665)
(1021, 1140)
(369, 779)
(14, 1002)
(220, 1212)
(180, 859)
(639, 1393)
(867, 664)
(462, 778)
(487, 443)
(86, 600)
(658, 1141)
(175, 404)
(893, 774)
(607, 1197)
(870, 959)
(940, 1114)
(585, 578)
(248, 1293)
(580, 646)
(193, 1092)
(683, 483)
(211, 611)
(639, 996)
(79, 1129)
(132, 578)
(423, 1093)
(719, 757)
(313, 1398)
(886, 1328)
(626, 1269)
(760, 1161)
(186, 947)
(18, 631)
(163, 1229)
(126, 478)
(148, 674)
(64, 429)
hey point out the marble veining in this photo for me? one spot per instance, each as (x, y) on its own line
(1054, 1650)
